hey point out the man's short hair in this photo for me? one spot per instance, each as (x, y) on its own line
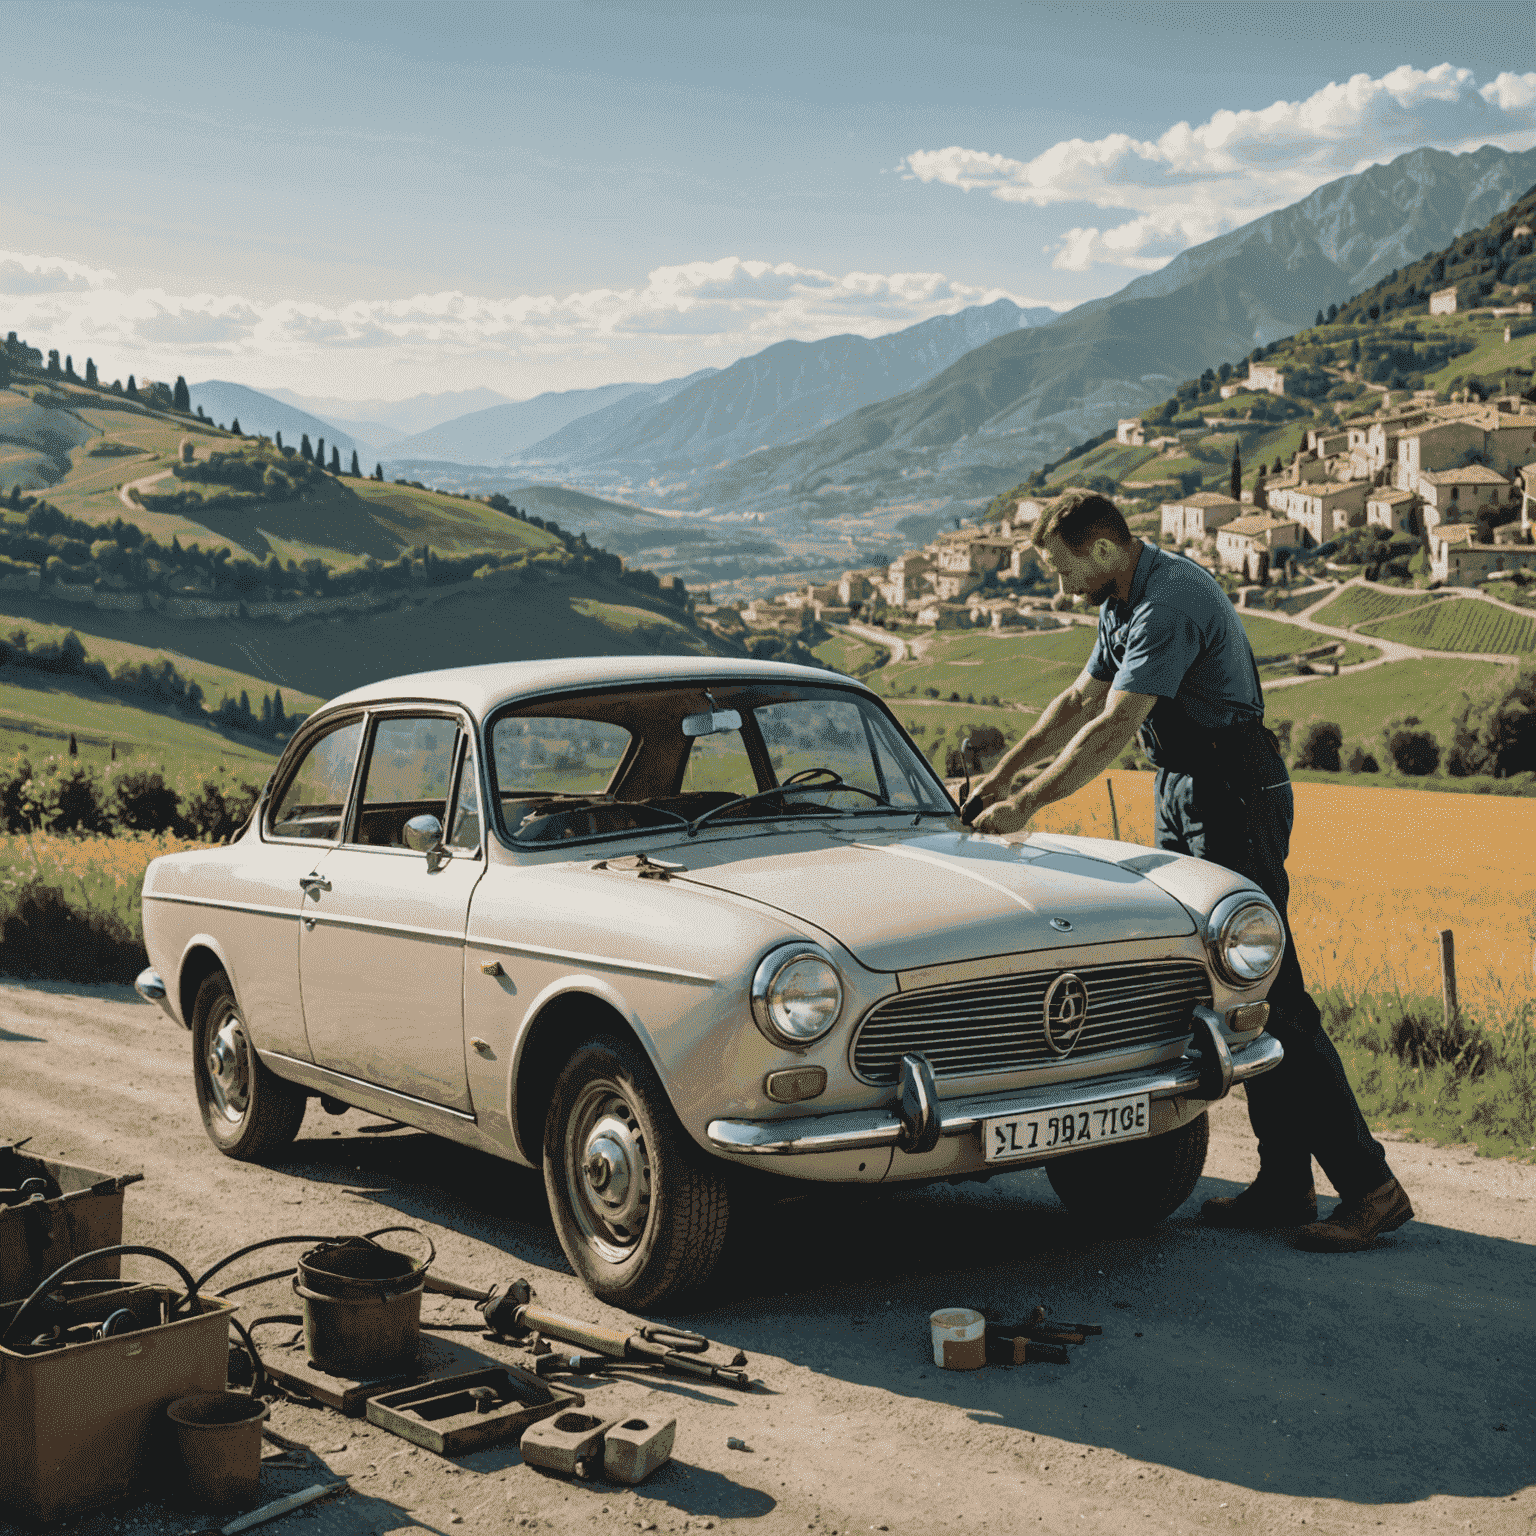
(1078, 518)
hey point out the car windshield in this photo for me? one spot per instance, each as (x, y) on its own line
(605, 764)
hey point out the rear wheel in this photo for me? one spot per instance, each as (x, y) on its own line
(1132, 1187)
(638, 1209)
(248, 1112)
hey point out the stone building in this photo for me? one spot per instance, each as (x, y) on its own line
(1443, 302)
(1471, 494)
(1396, 511)
(1247, 544)
(1262, 376)
(1197, 515)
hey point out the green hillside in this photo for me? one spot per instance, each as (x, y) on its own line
(1459, 624)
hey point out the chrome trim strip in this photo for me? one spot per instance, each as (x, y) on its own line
(578, 958)
(231, 906)
(865, 1129)
(319, 1078)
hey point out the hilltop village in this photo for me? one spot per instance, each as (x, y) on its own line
(1443, 483)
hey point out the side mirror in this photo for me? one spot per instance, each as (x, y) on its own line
(422, 834)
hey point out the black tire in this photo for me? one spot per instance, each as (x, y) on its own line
(1132, 1187)
(249, 1113)
(638, 1209)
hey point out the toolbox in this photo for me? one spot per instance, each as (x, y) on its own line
(82, 1423)
(52, 1211)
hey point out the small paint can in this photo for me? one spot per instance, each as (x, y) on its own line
(959, 1339)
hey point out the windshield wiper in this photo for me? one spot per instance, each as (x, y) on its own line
(785, 789)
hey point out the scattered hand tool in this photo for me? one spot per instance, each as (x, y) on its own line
(273, 1510)
(510, 1309)
(1005, 1347)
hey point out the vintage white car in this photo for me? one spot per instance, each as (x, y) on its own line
(649, 922)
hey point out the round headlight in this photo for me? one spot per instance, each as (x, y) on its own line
(796, 996)
(1248, 939)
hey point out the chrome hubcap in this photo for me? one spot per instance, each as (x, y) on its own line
(608, 1171)
(228, 1075)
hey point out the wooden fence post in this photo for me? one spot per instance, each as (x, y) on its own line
(1114, 815)
(1448, 974)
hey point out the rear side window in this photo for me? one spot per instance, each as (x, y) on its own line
(316, 796)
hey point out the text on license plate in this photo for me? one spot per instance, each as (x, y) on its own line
(1056, 1129)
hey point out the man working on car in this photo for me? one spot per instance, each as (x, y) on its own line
(1173, 667)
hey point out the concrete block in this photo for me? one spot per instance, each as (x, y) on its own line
(634, 1449)
(571, 1443)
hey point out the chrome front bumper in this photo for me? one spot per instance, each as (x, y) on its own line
(149, 986)
(920, 1118)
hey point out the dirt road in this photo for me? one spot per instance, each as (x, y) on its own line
(1239, 1385)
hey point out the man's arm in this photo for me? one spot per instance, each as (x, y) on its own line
(1061, 720)
(1086, 755)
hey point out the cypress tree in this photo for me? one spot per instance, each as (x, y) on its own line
(335, 459)
(1237, 472)
(320, 452)
(181, 397)
(69, 367)
(90, 373)
(234, 427)
(278, 438)
(378, 471)
(305, 451)
(357, 469)
(279, 719)
(53, 361)
(133, 389)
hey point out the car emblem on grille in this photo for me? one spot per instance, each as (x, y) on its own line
(1066, 1012)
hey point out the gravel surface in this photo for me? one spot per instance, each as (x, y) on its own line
(1238, 1385)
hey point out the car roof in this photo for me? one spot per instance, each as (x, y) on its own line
(480, 689)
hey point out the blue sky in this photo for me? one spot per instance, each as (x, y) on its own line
(375, 200)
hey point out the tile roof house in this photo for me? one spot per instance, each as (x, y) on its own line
(1197, 515)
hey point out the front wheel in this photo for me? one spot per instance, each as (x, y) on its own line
(248, 1112)
(638, 1209)
(1132, 1187)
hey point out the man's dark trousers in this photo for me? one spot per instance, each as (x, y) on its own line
(1303, 1108)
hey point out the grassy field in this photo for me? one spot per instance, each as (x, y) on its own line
(1361, 702)
(847, 653)
(38, 716)
(1274, 637)
(1491, 354)
(1020, 669)
(1459, 624)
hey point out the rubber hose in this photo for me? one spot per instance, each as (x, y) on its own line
(102, 1253)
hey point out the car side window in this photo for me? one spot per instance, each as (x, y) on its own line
(312, 804)
(409, 765)
(464, 823)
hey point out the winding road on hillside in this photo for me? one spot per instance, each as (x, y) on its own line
(125, 493)
(1239, 1385)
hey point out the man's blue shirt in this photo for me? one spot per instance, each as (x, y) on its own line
(1180, 638)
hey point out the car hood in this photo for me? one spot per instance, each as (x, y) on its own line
(898, 902)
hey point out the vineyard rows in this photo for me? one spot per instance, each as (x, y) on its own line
(1459, 624)
(1362, 605)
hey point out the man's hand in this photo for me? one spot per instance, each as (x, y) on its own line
(1006, 816)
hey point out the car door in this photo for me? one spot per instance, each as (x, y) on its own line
(381, 951)
(301, 824)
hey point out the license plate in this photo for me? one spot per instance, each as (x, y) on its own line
(1055, 1130)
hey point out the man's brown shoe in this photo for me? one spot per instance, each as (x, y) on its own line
(1258, 1207)
(1356, 1224)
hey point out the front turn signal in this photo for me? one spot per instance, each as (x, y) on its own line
(1249, 1017)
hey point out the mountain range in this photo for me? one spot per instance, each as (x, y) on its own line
(262, 414)
(870, 437)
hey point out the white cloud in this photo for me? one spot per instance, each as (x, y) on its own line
(1192, 183)
(730, 303)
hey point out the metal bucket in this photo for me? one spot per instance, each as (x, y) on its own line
(219, 1434)
(362, 1306)
(360, 1337)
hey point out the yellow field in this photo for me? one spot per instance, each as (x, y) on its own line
(1376, 874)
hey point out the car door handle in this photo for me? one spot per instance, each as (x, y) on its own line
(313, 883)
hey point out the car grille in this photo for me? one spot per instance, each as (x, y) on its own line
(972, 1028)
